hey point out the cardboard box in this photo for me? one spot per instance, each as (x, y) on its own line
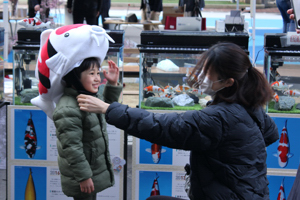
(172, 12)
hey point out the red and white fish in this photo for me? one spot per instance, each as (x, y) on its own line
(281, 194)
(167, 95)
(153, 89)
(30, 139)
(61, 50)
(156, 151)
(293, 93)
(34, 23)
(198, 92)
(283, 149)
(169, 89)
(280, 85)
(155, 188)
(182, 88)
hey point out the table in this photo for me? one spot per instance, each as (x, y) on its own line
(119, 22)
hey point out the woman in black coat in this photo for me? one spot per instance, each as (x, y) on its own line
(227, 139)
(85, 9)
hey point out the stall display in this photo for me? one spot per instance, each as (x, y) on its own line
(167, 58)
(282, 56)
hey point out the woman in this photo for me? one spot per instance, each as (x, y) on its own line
(227, 139)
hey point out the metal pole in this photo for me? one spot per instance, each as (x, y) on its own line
(253, 11)
(6, 28)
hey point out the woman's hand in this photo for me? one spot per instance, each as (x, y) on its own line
(112, 75)
(91, 104)
(292, 16)
(87, 186)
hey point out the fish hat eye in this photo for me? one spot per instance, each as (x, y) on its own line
(67, 35)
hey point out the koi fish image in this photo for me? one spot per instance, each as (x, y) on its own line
(281, 194)
(56, 59)
(30, 139)
(280, 85)
(153, 89)
(34, 23)
(30, 189)
(283, 149)
(156, 151)
(155, 187)
(293, 93)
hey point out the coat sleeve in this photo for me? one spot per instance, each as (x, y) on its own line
(191, 130)
(111, 93)
(69, 128)
(270, 131)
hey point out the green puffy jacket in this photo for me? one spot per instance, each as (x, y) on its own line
(82, 144)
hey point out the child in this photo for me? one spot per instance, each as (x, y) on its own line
(83, 154)
(69, 64)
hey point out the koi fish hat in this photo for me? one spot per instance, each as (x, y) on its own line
(61, 50)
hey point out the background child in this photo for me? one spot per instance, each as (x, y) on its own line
(84, 159)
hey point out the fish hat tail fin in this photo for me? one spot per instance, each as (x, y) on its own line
(47, 106)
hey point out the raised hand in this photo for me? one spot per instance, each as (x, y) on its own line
(112, 75)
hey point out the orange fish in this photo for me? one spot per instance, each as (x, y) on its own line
(276, 97)
(153, 88)
(182, 88)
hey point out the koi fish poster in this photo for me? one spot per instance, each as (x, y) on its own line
(152, 183)
(280, 186)
(285, 152)
(150, 153)
(30, 134)
(30, 182)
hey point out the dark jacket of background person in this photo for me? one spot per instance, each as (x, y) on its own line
(105, 12)
(82, 144)
(190, 4)
(228, 148)
(155, 5)
(87, 9)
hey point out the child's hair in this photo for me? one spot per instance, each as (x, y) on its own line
(73, 77)
(228, 60)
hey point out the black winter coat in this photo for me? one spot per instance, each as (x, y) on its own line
(155, 5)
(228, 148)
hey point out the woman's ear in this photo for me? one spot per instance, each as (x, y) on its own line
(229, 82)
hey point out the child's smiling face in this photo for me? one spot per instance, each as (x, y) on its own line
(90, 79)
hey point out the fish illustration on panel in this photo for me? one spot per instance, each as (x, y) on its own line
(30, 190)
(281, 195)
(283, 149)
(30, 139)
(155, 187)
(156, 151)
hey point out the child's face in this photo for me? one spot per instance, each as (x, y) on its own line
(90, 79)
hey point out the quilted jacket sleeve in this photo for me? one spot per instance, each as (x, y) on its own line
(68, 123)
(111, 93)
(191, 130)
(270, 130)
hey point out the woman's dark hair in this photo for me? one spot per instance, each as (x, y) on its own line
(74, 76)
(228, 60)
